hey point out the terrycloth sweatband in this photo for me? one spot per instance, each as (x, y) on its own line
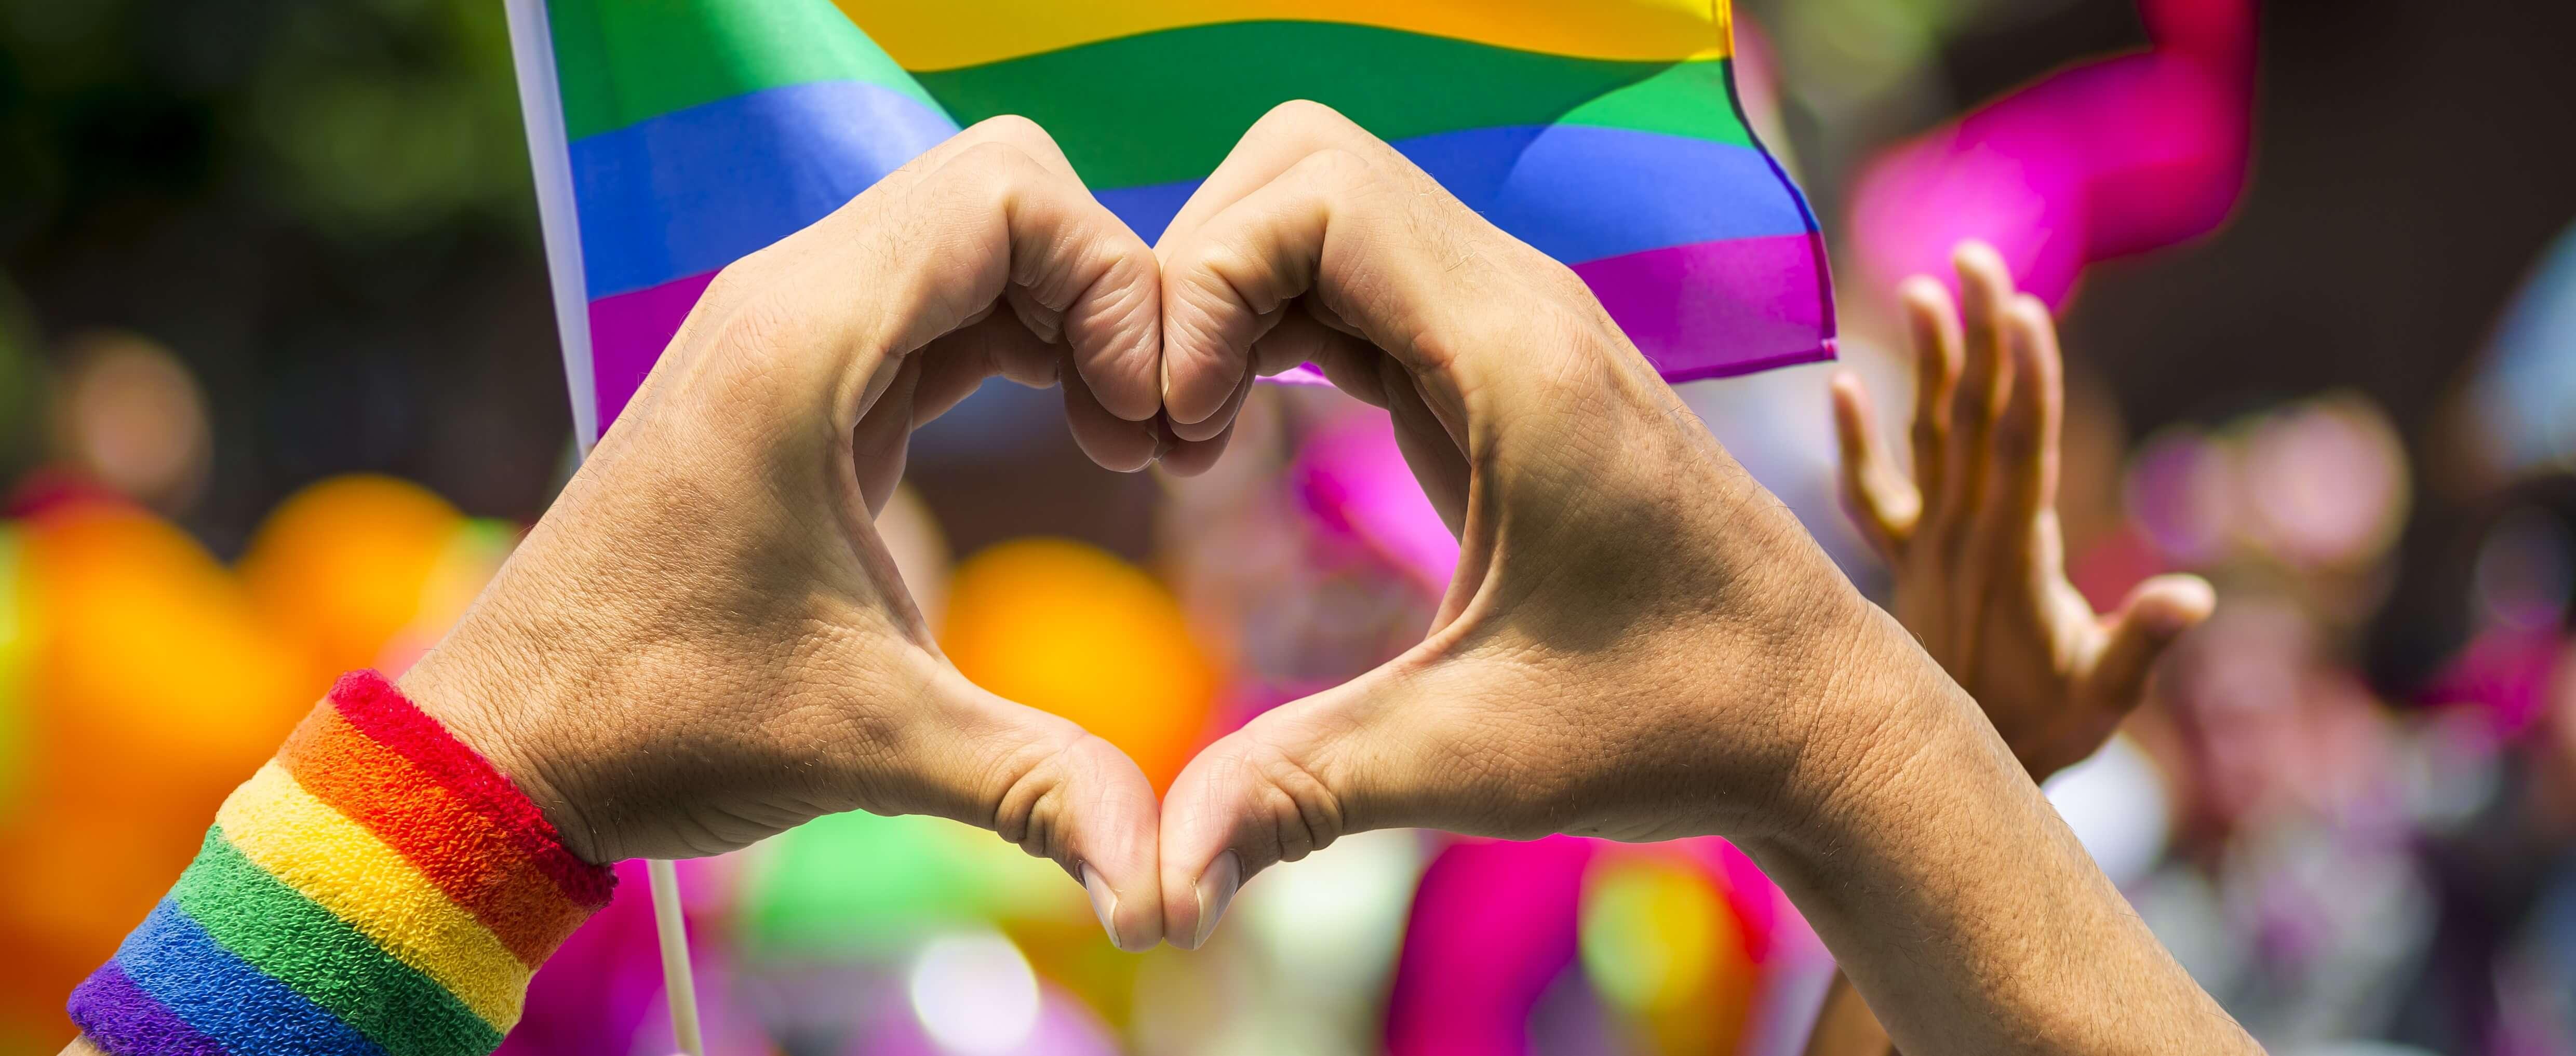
(377, 888)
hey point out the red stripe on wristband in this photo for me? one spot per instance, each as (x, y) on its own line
(375, 708)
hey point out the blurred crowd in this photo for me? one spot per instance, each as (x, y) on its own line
(279, 395)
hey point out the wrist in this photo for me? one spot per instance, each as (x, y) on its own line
(377, 884)
(1891, 743)
(471, 684)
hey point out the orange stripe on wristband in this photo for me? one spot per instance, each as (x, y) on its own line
(467, 854)
(376, 709)
(397, 911)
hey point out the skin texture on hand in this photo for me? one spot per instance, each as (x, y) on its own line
(1972, 538)
(1639, 642)
(704, 642)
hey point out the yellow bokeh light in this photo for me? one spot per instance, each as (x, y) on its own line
(345, 565)
(1071, 629)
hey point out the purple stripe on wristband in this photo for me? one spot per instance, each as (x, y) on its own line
(120, 1018)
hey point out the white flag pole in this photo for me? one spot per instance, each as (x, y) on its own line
(550, 159)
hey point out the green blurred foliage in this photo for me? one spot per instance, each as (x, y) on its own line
(360, 119)
(860, 883)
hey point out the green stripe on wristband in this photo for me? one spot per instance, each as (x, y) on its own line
(283, 934)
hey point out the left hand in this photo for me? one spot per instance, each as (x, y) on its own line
(704, 642)
(1973, 536)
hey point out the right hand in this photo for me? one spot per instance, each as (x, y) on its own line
(1972, 535)
(1639, 642)
(704, 642)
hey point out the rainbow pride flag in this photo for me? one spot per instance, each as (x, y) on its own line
(671, 137)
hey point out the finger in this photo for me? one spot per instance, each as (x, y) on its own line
(1058, 792)
(884, 436)
(1962, 518)
(1350, 362)
(1390, 255)
(2156, 614)
(1437, 459)
(995, 219)
(1985, 291)
(1122, 379)
(1932, 327)
(1041, 308)
(998, 345)
(1114, 442)
(1010, 130)
(1189, 458)
(1188, 455)
(2026, 445)
(1406, 257)
(1261, 795)
(1384, 750)
(1878, 497)
(1275, 143)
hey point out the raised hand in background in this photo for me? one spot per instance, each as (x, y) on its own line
(1972, 536)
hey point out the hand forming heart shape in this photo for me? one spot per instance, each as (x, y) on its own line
(705, 642)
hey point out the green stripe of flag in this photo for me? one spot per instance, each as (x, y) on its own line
(315, 953)
(1160, 107)
(1134, 111)
(623, 61)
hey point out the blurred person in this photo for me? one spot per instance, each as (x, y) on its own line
(1976, 551)
(704, 641)
(2293, 889)
(129, 417)
(2501, 856)
(2292, 892)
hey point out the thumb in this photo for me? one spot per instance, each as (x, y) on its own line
(1056, 790)
(1251, 800)
(2157, 613)
(1371, 753)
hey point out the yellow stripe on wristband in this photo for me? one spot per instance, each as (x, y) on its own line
(345, 869)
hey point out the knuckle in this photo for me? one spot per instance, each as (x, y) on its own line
(1336, 171)
(1305, 813)
(1563, 285)
(757, 331)
(734, 282)
(994, 168)
(1011, 128)
(1303, 117)
(1028, 793)
(1020, 133)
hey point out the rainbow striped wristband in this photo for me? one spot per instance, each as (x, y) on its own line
(377, 888)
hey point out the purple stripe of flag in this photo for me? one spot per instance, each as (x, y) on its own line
(1705, 310)
(1717, 309)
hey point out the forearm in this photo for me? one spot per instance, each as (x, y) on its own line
(1960, 904)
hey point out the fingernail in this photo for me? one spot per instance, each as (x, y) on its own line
(1216, 891)
(1104, 904)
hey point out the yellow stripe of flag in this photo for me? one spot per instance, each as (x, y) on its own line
(922, 35)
